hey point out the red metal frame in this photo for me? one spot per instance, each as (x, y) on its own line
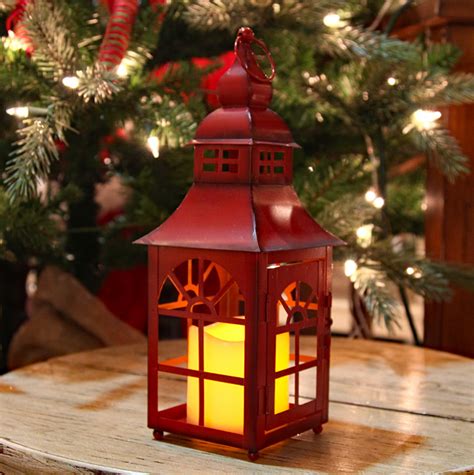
(237, 241)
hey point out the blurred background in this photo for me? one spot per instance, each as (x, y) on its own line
(99, 99)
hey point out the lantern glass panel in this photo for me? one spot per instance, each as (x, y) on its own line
(297, 310)
(207, 300)
(308, 383)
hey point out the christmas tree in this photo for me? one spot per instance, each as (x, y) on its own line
(109, 93)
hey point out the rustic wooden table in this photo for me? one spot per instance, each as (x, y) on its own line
(394, 409)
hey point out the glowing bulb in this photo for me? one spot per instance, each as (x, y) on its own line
(20, 112)
(370, 196)
(311, 169)
(425, 119)
(122, 70)
(153, 143)
(13, 42)
(333, 20)
(72, 82)
(417, 275)
(410, 270)
(378, 202)
(364, 234)
(350, 266)
(391, 81)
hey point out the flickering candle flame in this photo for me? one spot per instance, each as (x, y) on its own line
(20, 112)
(224, 402)
(153, 143)
(71, 82)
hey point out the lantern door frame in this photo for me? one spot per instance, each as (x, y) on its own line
(274, 428)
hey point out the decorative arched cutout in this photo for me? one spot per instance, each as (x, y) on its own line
(297, 303)
(200, 286)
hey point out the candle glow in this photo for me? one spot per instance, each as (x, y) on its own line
(224, 353)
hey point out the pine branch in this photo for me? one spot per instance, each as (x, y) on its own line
(346, 214)
(52, 50)
(231, 14)
(441, 57)
(443, 150)
(174, 125)
(97, 84)
(353, 42)
(446, 90)
(379, 302)
(27, 229)
(31, 159)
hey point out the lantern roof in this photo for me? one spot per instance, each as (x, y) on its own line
(252, 216)
(241, 218)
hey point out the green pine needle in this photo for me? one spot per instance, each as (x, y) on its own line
(443, 150)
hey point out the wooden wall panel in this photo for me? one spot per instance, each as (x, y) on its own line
(449, 218)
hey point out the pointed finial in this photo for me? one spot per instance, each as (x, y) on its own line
(245, 84)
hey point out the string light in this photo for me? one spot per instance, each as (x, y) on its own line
(13, 42)
(410, 270)
(122, 70)
(333, 20)
(391, 81)
(364, 235)
(350, 266)
(378, 202)
(71, 82)
(425, 119)
(153, 143)
(370, 196)
(31, 283)
(311, 169)
(20, 112)
(128, 63)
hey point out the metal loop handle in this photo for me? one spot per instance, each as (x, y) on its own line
(246, 36)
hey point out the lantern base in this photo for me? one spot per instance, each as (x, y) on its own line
(252, 455)
(158, 434)
(318, 429)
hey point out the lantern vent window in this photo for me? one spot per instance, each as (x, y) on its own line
(271, 163)
(220, 160)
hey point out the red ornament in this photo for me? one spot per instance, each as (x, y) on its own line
(245, 266)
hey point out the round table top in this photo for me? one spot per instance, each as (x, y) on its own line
(393, 409)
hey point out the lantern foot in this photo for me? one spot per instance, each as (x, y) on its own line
(158, 434)
(318, 429)
(252, 455)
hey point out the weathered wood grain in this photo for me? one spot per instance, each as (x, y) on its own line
(394, 409)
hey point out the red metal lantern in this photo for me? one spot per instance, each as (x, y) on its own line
(244, 266)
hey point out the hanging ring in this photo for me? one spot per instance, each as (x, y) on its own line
(246, 36)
